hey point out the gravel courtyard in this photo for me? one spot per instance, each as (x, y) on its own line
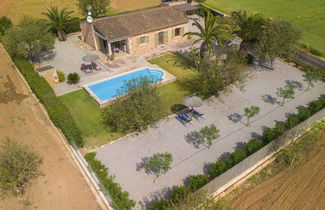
(124, 157)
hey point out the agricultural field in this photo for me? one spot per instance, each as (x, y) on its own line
(307, 15)
(16, 9)
(295, 180)
(21, 119)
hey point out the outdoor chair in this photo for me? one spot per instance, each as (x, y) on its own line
(196, 114)
(95, 66)
(184, 120)
(85, 68)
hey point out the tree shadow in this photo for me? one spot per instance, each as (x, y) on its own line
(239, 145)
(267, 98)
(194, 139)
(256, 135)
(235, 117)
(224, 155)
(142, 163)
(206, 168)
(147, 202)
(295, 84)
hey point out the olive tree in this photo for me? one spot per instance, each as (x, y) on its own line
(18, 167)
(312, 75)
(97, 7)
(5, 24)
(251, 112)
(29, 38)
(286, 92)
(209, 134)
(159, 163)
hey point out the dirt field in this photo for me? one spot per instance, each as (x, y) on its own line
(21, 119)
(298, 187)
(16, 9)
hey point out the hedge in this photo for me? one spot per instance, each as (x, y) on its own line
(219, 167)
(120, 198)
(57, 111)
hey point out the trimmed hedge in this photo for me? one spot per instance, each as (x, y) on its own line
(57, 111)
(120, 198)
(219, 167)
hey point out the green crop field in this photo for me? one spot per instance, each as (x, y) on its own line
(309, 15)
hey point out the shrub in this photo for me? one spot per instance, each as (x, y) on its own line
(5, 24)
(159, 205)
(73, 77)
(249, 59)
(268, 135)
(57, 111)
(279, 128)
(238, 156)
(120, 198)
(292, 121)
(217, 168)
(178, 193)
(197, 182)
(317, 105)
(252, 146)
(303, 114)
(61, 76)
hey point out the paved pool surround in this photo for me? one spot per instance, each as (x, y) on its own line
(102, 101)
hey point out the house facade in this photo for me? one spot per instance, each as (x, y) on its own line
(135, 32)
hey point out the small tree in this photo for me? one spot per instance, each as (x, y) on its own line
(159, 163)
(73, 77)
(5, 24)
(18, 166)
(29, 38)
(98, 7)
(312, 75)
(209, 134)
(286, 92)
(251, 112)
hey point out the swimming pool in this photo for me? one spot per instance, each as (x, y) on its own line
(107, 89)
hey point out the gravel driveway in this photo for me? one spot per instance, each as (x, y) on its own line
(124, 157)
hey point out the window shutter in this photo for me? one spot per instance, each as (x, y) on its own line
(173, 33)
(182, 31)
(166, 37)
(156, 39)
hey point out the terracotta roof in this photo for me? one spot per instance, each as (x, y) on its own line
(139, 22)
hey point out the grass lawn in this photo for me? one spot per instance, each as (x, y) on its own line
(87, 113)
(308, 15)
(16, 9)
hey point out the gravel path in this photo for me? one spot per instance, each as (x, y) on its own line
(124, 157)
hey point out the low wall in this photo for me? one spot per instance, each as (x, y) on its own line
(242, 169)
(309, 59)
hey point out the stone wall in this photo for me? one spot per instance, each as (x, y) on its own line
(247, 166)
(309, 59)
(87, 35)
(150, 45)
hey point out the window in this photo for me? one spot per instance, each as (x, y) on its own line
(177, 31)
(143, 39)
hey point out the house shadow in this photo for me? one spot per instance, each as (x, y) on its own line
(194, 139)
(235, 117)
(295, 84)
(267, 98)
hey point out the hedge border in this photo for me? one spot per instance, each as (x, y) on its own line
(120, 198)
(58, 112)
(179, 193)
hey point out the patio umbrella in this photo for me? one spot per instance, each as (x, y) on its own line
(192, 101)
(90, 57)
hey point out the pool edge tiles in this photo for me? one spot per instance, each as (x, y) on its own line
(166, 78)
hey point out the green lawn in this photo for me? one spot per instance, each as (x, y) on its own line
(309, 15)
(87, 113)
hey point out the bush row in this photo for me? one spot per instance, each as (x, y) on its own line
(120, 198)
(57, 111)
(178, 193)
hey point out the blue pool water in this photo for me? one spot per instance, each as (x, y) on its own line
(107, 89)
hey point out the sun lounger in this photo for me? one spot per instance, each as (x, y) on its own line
(183, 119)
(95, 66)
(85, 68)
(196, 114)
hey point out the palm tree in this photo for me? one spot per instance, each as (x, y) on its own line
(211, 32)
(250, 27)
(59, 21)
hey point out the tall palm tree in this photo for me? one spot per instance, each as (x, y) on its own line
(59, 21)
(211, 32)
(250, 27)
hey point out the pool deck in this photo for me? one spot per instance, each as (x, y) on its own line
(167, 78)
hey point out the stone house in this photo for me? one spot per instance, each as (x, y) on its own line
(135, 32)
